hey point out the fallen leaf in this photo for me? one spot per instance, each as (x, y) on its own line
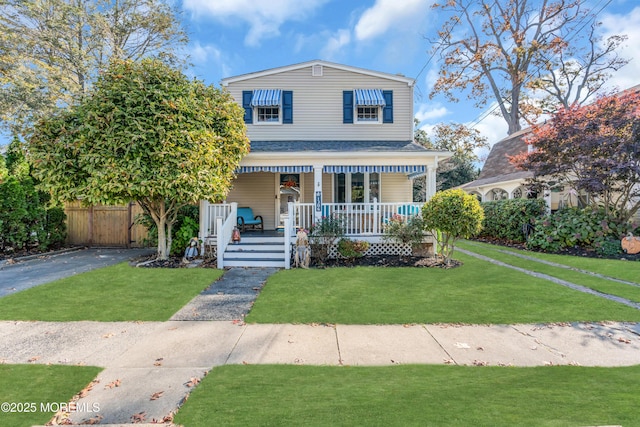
(157, 395)
(624, 340)
(480, 363)
(139, 417)
(480, 348)
(193, 381)
(448, 361)
(93, 420)
(158, 361)
(33, 359)
(112, 384)
(109, 335)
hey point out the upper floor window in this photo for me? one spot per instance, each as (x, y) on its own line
(367, 106)
(272, 106)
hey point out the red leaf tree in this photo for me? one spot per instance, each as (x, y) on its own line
(594, 149)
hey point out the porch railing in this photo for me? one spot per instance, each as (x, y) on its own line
(224, 229)
(213, 212)
(358, 218)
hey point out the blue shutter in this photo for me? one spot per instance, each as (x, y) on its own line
(347, 106)
(387, 110)
(246, 104)
(287, 107)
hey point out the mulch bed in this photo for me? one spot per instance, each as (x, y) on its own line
(367, 261)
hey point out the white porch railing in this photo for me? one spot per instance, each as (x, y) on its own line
(213, 212)
(358, 218)
(224, 229)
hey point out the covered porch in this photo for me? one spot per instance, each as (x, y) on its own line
(363, 186)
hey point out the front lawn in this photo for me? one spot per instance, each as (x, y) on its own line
(116, 293)
(414, 395)
(27, 391)
(477, 292)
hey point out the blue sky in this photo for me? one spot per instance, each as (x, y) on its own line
(232, 37)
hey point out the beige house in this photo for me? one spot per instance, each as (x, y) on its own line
(500, 179)
(326, 140)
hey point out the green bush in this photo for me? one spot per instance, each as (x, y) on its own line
(187, 225)
(505, 219)
(452, 215)
(574, 227)
(404, 230)
(56, 228)
(351, 249)
(322, 235)
(14, 231)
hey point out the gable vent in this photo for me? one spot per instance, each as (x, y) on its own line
(316, 70)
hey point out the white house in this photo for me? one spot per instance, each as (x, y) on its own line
(326, 139)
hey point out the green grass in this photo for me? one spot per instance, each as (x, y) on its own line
(625, 270)
(478, 292)
(414, 396)
(36, 386)
(116, 293)
(615, 269)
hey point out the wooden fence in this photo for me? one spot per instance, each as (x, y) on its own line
(104, 225)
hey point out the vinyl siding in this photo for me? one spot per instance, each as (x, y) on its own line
(257, 191)
(395, 187)
(317, 106)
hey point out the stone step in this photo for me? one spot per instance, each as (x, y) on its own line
(253, 262)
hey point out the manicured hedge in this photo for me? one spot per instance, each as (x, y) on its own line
(505, 219)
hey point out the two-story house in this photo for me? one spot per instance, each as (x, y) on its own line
(326, 140)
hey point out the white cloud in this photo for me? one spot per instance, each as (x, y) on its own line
(264, 17)
(431, 111)
(201, 54)
(335, 43)
(388, 14)
(627, 24)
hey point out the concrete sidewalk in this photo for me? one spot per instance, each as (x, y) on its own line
(168, 358)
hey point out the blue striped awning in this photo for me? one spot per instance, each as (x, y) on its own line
(385, 169)
(266, 98)
(281, 169)
(369, 97)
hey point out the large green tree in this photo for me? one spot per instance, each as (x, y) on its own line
(145, 132)
(501, 50)
(51, 50)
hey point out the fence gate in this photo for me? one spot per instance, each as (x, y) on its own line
(101, 225)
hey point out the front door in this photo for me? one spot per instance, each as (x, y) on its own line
(288, 191)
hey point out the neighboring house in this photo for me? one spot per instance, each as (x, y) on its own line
(500, 179)
(326, 140)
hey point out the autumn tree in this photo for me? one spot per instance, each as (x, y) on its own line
(502, 50)
(594, 149)
(459, 169)
(51, 50)
(147, 133)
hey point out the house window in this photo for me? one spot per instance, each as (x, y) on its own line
(356, 187)
(268, 106)
(367, 106)
(368, 114)
(268, 114)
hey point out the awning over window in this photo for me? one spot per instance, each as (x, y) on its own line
(385, 169)
(281, 169)
(266, 98)
(369, 97)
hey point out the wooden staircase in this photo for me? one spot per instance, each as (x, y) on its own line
(256, 251)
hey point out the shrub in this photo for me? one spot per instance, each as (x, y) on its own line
(505, 219)
(187, 225)
(452, 215)
(55, 229)
(351, 249)
(14, 232)
(405, 230)
(322, 235)
(574, 227)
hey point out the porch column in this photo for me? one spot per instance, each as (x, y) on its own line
(430, 187)
(317, 193)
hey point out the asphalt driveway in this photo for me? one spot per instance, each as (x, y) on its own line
(31, 272)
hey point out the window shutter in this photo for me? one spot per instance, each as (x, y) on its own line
(287, 107)
(246, 104)
(387, 110)
(347, 106)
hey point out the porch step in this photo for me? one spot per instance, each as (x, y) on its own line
(253, 262)
(256, 251)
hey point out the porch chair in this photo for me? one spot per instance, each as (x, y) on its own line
(246, 219)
